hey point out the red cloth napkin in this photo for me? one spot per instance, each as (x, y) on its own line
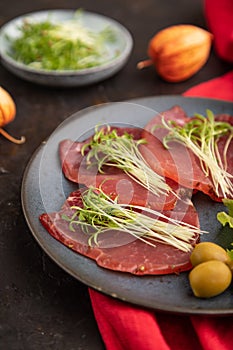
(220, 88)
(127, 327)
(219, 18)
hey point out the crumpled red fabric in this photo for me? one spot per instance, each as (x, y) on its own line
(127, 327)
(219, 18)
(219, 88)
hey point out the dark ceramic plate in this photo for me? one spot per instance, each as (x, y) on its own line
(44, 189)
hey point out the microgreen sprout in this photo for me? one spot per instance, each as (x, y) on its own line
(65, 45)
(108, 148)
(201, 135)
(99, 214)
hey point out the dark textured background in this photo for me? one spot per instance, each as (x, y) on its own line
(41, 306)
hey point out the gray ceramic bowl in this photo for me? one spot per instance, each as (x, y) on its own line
(122, 45)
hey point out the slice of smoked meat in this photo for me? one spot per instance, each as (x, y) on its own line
(113, 181)
(179, 163)
(120, 251)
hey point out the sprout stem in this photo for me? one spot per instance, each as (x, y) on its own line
(101, 214)
(108, 148)
(201, 136)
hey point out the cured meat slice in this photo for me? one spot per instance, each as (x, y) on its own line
(113, 181)
(179, 163)
(127, 255)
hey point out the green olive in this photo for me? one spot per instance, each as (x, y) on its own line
(210, 278)
(205, 251)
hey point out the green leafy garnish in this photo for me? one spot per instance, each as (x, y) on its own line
(201, 135)
(108, 148)
(225, 218)
(230, 253)
(68, 45)
(99, 214)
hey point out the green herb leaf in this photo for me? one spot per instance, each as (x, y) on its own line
(225, 218)
(230, 253)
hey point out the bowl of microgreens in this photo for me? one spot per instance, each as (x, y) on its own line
(64, 47)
